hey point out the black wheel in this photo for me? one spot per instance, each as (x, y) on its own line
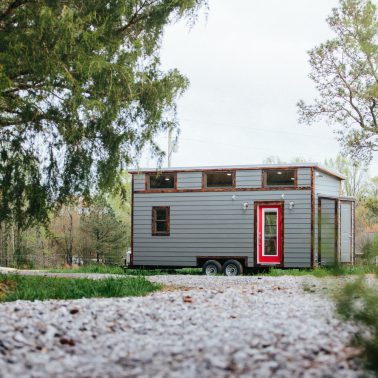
(232, 268)
(211, 268)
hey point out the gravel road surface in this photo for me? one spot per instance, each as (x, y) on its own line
(215, 327)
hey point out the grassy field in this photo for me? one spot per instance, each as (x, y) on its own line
(94, 268)
(325, 272)
(318, 272)
(14, 287)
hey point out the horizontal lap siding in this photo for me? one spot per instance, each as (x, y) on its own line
(304, 177)
(213, 224)
(248, 179)
(139, 182)
(189, 180)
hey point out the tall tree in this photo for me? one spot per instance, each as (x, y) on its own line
(345, 72)
(81, 93)
(371, 201)
(106, 233)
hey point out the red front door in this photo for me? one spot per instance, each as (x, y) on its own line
(269, 223)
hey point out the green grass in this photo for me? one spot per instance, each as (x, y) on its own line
(99, 268)
(93, 268)
(273, 272)
(324, 272)
(15, 287)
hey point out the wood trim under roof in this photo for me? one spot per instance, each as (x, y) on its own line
(236, 168)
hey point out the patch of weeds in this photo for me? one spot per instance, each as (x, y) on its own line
(106, 269)
(92, 268)
(338, 270)
(358, 302)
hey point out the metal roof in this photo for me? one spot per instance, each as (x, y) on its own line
(238, 167)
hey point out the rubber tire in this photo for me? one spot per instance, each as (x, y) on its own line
(217, 266)
(239, 267)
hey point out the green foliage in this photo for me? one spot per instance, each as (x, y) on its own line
(106, 234)
(358, 302)
(91, 268)
(369, 250)
(81, 93)
(344, 70)
(341, 270)
(371, 202)
(106, 269)
(17, 287)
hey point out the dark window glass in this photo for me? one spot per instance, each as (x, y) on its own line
(280, 178)
(160, 221)
(163, 181)
(219, 180)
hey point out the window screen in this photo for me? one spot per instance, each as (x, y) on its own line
(163, 181)
(219, 179)
(160, 221)
(280, 178)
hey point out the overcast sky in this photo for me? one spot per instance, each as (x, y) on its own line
(247, 65)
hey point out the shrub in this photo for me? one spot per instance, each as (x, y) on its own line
(358, 302)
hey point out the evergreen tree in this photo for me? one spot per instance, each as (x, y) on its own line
(105, 232)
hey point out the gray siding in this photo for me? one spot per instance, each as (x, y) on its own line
(248, 179)
(304, 176)
(189, 180)
(213, 224)
(326, 184)
(139, 182)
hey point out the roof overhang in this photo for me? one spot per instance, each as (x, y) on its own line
(237, 168)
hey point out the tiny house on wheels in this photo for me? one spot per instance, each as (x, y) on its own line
(232, 218)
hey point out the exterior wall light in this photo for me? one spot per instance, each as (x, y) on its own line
(233, 197)
(245, 205)
(291, 205)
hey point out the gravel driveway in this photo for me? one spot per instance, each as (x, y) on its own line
(218, 327)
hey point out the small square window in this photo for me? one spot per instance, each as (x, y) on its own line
(219, 179)
(161, 221)
(276, 177)
(161, 181)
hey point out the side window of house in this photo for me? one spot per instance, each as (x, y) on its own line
(276, 177)
(161, 181)
(160, 221)
(219, 179)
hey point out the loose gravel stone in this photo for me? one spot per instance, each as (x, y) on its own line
(210, 327)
